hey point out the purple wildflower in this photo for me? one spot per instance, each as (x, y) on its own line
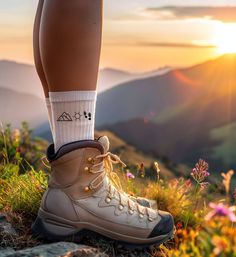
(221, 210)
(200, 172)
(130, 175)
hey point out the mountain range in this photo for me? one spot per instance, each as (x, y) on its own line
(22, 98)
(109, 77)
(16, 107)
(178, 113)
(184, 114)
(23, 77)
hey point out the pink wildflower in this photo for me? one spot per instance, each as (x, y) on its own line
(200, 172)
(221, 210)
(130, 175)
(179, 225)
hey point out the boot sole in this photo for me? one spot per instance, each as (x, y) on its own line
(46, 228)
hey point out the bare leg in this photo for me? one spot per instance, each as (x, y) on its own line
(37, 57)
(70, 42)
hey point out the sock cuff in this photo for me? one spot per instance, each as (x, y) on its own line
(47, 101)
(72, 96)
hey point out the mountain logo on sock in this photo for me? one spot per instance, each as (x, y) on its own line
(65, 117)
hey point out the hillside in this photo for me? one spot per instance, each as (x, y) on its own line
(194, 102)
(140, 98)
(20, 77)
(108, 77)
(16, 107)
(188, 134)
(132, 157)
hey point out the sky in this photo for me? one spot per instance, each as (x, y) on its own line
(138, 35)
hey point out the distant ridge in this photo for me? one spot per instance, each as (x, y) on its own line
(17, 107)
(24, 79)
(175, 114)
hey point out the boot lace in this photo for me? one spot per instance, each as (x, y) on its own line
(115, 187)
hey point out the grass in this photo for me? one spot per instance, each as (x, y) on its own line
(24, 178)
(227, 138)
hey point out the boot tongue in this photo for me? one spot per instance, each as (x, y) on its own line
(104, 141)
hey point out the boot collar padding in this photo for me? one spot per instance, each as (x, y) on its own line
(52, 156)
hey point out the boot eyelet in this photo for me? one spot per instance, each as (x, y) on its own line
(131, 212)
(108, 200)
(141, 216)
(86, 168)
(86, 189)
(90, 160)
(121, 207)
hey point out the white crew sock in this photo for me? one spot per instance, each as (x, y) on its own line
(49, 108)
(73, 116)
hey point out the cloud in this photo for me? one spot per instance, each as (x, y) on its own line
(171, 44)
(160, 44)
(222, 13)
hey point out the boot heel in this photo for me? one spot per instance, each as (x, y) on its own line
(52, 231)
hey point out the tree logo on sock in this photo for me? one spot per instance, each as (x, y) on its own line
(65, 117)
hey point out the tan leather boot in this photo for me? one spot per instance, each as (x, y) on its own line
(83, 198)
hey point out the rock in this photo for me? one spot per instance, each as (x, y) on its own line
(6, 252)
(6, 227)
(61, 249)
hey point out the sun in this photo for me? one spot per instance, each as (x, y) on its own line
(225, 38)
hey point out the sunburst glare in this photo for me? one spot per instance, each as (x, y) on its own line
(225, 38)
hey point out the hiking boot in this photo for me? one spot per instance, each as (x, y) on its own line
(145, 202)
(84, 197)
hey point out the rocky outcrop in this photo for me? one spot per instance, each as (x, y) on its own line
(6, 227)
(61, 249)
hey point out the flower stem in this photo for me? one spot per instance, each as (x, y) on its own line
(196, 189)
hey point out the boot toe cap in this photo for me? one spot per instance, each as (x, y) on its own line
(164, 226)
